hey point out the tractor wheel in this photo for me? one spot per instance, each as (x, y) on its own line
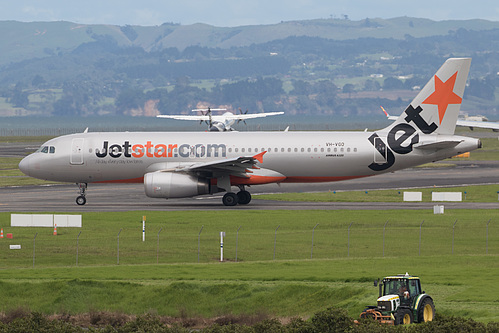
(404, 317)
(426, 311)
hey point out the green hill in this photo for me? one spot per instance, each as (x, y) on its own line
(22, 41)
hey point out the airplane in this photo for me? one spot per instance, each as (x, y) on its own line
(187, 164)
(494, 126)
(220, 123)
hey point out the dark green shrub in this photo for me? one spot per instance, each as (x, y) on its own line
(332, 320)
(269, 326)
(298, 325)
(36, 322)
(229, 328)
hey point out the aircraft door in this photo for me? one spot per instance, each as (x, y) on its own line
(380, 152)
(76, 156)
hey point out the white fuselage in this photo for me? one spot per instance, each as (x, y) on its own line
(289, 157)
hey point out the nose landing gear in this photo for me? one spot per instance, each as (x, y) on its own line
(81, 200)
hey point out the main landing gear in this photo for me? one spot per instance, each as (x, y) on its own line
(81, 200)
(242, 197)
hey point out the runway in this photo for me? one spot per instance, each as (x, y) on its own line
(131, 197)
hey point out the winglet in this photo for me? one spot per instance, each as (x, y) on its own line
(386, 113)
(259, 157)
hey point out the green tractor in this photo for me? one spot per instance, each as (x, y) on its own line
(401, 301)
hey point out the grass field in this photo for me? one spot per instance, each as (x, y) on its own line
(477, 193)
(277, 272)
(462, 280)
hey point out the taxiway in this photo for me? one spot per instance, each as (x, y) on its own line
(131, 197)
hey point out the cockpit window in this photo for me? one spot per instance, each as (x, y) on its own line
(46, 150)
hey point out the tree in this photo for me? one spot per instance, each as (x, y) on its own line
(392, 83)
(300, 87)
(372, 85)
(481, 89)
(348, 89)
(19, 97)
(37, 81)
(128, 99)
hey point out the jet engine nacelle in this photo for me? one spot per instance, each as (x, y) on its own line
(174, 185)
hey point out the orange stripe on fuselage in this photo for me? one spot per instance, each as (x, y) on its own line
(319, 179)
(132, 180)
(260, 180)
(254, 180)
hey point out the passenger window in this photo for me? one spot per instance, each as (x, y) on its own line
(52, 150)
(276, 150)
(282, 150)
(296, 150)
(355, 150)
(309, 150)
(322, 150)
(303, 150)
(236, 150)
(289, 150)
(315, 150)
(230, 150)
(348, 150)
(249, 150)
(242, 150)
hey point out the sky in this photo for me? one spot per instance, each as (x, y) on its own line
(230, 13)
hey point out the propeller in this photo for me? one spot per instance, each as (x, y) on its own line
(209, 117)
(205, 112)
(241, 112)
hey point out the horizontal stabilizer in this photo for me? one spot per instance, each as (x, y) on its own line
(438, 145)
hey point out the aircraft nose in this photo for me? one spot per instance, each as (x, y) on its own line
(24, 165)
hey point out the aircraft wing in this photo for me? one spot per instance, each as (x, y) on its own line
(226, 116)
(465, 123)
(183, 117)
(251, 116)
(239, 166)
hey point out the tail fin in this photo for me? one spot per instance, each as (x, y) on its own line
(436, 108)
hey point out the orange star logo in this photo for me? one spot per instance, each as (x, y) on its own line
(443, 95)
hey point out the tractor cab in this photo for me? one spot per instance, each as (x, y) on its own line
(401, 301)
(406, 287)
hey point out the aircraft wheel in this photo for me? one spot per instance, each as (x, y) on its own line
(81, 200)
(243, 197)
(229, 199)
